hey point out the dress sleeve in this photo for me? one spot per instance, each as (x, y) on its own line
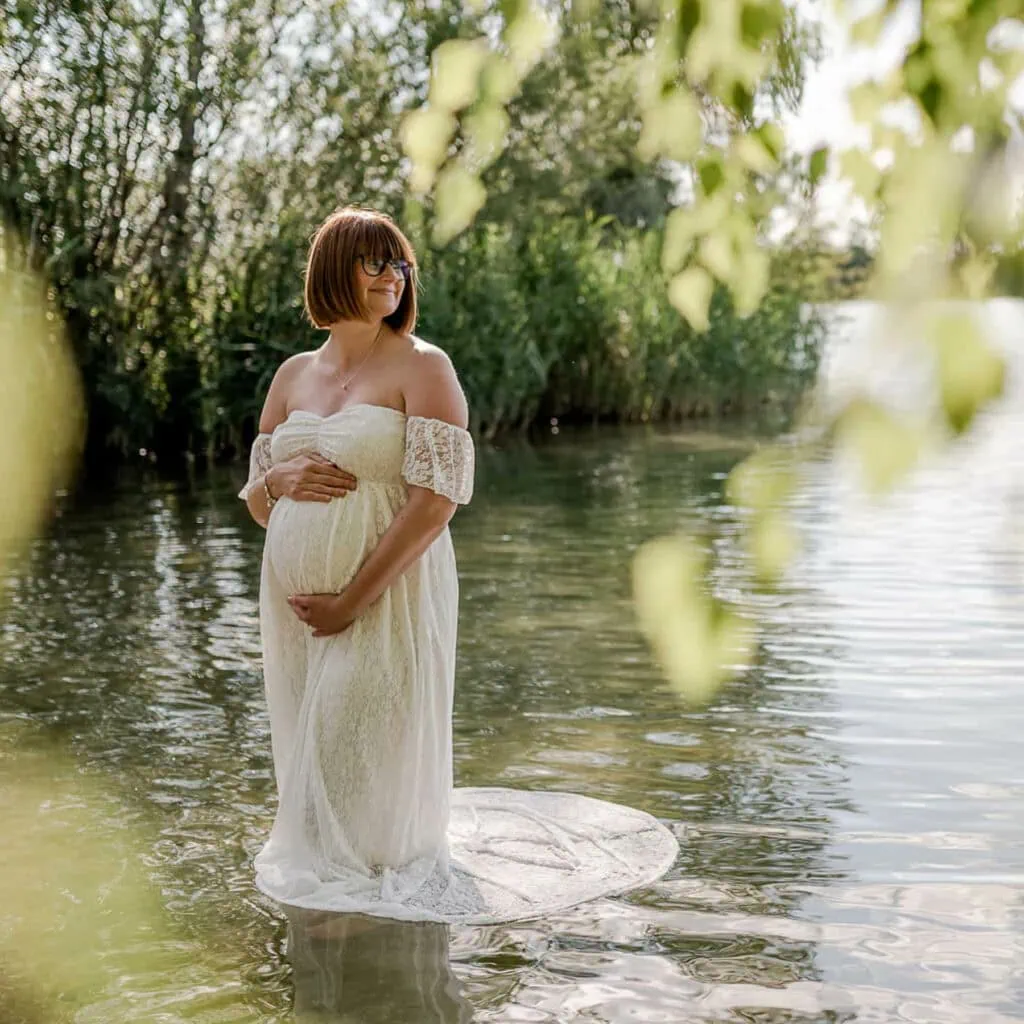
(259, 463)
(440, 456)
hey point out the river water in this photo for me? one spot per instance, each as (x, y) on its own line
(849, 810)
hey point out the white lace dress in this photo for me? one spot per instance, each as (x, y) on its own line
(367, 819)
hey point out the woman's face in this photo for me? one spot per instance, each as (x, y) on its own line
(380, 292)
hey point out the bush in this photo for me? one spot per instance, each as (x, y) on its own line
(565, 318)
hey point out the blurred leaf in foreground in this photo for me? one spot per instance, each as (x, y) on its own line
(883, 445)
(698, 640)
(77, 913)
(690, 292)
(456, 73)
(971, 373)
(70, 892)
(460, 195)
(41, 407)
(760, 486)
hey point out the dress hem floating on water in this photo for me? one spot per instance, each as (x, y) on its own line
(513, 855)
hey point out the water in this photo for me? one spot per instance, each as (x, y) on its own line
(852, 844)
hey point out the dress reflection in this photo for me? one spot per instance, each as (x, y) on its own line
(350, 968)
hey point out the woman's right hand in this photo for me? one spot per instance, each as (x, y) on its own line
(309, 477)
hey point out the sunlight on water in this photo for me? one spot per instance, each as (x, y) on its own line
(849, 811)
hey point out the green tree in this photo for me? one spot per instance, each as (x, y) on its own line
(115, 126)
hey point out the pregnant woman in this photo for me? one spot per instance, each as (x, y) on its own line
(362, 458)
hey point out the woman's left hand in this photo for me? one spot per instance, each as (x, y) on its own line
(325, 614)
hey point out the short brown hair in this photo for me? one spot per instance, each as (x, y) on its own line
(330, 271)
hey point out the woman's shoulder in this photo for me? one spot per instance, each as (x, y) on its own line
(295, 364)
(429, 383)
(419, 354)
(290, 370)
(275, 408)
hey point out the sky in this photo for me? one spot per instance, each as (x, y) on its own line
(825, 117)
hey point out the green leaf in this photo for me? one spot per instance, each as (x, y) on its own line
(773, 545)
(762, 481)
(885, 446)
(760, 20)
(500, 80)
(711, 174)
(688, 15)
(485, 131)
(426, 133)
(690, 292)
(772, 138)
(459, 196)
(972, 374)
(931, 98)
(866, 30)
(698, 640)
(741, 99)
(672, 127)
(819, 164)
(457, 64)
(678, 240)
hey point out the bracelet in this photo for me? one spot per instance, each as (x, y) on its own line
(271, 500)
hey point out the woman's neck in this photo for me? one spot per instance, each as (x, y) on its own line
(349, 342)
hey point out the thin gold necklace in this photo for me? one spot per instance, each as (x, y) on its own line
(369, 352)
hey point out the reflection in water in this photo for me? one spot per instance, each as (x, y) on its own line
(849, 810)
(352, 969)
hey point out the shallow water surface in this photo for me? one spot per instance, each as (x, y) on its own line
(849, 812)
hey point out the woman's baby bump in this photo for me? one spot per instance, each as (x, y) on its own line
(316, 547)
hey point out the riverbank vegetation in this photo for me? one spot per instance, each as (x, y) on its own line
(562, 319)
(166, 165)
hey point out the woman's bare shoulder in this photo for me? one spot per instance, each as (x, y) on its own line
(430, 384)
(419, 353)
(294, 365)
(421, 345)
(275, 408)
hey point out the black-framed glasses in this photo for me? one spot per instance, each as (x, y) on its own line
(376, 267)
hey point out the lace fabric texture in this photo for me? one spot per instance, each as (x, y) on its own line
(440, 456)
(259, 463)
(361, 722)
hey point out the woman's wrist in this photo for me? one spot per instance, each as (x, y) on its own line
(344, 607)
(269, 490)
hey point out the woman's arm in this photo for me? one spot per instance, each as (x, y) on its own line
(434, 392)
(275, 411)
(258, 506)
(307, 477)
(412, 531)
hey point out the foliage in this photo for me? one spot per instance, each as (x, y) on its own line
(563, 321)
(166, 163)
(550, 319)
(702, 84)
(1008, 278)
(37, 377)
(114, 127)
(940, 191)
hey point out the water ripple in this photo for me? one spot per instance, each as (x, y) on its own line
(848, 811)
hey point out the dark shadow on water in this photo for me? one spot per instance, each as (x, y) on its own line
(372, 970)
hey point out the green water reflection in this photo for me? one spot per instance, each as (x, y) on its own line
(839, 822)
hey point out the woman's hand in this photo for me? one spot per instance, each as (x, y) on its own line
(325, 614)
(309, 477)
